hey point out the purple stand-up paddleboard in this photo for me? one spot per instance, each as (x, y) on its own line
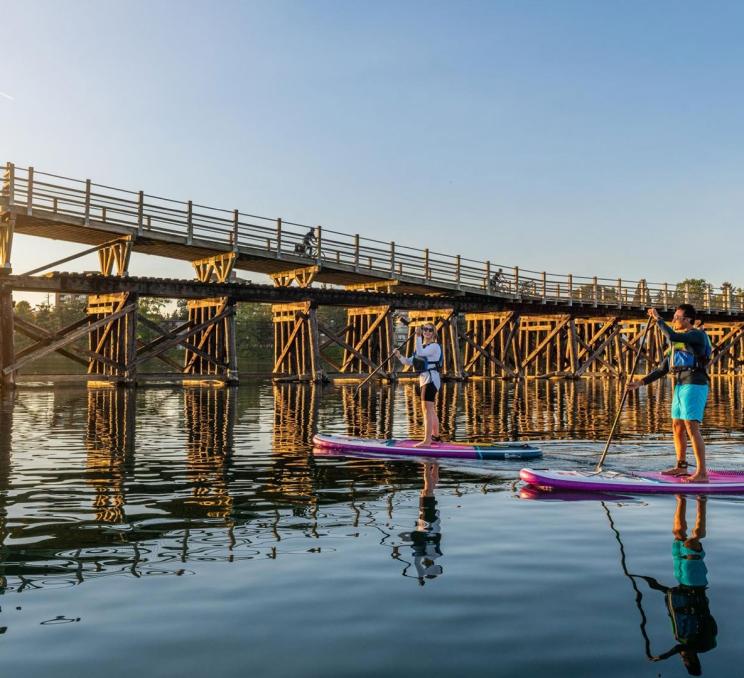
(329, 444)
(721, 482)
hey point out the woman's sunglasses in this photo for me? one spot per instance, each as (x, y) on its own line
(427, 329)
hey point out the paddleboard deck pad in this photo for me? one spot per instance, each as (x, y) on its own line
(407, 448)
(651, 482)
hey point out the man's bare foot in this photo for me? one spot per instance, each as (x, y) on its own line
(423, 443)
(679, 470)
(696, 478)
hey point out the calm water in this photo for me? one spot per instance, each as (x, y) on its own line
(169, 532)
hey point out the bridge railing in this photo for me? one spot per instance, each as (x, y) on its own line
(150, 214)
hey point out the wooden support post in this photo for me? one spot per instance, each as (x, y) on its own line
(7, 351)
(86, 217)
(190, 223)
(140, 212)
(235, 230)
(594, 290)
(570, 289)
(9, 184)
(7, 230)
(318, 243)
(30, 191)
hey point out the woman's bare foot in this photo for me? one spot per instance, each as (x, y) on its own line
(679, 470)
(696, 477)
(423, 443)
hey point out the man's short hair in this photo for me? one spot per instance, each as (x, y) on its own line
(688, 310)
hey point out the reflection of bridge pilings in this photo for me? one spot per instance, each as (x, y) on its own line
(369, 413)
(210, 424)
(109, 441)
(7, 401)
(503, 410)
(295, 414)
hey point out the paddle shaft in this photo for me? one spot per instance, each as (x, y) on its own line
(383, 363)
(625, 395)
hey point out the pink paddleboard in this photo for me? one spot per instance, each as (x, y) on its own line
(398, 447)
(721, 482)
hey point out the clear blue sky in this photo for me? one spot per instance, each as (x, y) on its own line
(585, 137)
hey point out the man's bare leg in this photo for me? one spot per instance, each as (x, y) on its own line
(679, 434)
(698, 449)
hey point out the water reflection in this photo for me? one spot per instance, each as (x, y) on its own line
(109, 441)
(105, 481)
(695, 630)
(425, 539)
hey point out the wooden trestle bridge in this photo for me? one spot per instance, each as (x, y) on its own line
(494, 321)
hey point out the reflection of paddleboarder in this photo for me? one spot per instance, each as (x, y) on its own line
(694, 628)
(425, 539)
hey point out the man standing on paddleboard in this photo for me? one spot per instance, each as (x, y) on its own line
(687, 359)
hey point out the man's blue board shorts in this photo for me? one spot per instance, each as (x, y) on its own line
(688, 401)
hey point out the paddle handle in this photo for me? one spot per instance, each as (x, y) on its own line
(625, 395)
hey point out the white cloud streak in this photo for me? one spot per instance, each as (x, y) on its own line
(7, 96)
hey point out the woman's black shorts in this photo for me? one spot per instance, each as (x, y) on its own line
(429, 392)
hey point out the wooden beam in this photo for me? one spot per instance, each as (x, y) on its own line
(536, 351)
(596, 353)
(41, 335)
(50, 348)
(349, 348)
(382, 314)
(171, 343)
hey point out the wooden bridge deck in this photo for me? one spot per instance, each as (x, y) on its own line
(60, 208)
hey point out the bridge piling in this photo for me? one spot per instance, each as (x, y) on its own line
(7, 348)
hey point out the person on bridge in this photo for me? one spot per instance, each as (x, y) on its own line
(427, 361)
(687, 359)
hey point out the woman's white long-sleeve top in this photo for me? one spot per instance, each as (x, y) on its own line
(433, 353)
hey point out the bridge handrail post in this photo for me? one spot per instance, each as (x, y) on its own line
(9, 183)
(356, 251)
(392, 258)
(727, 299)
(516, 281)
(488, 276)
(570, 289)
(594, 290)
(619, 292)
(190, 223)
(318, 240)
(140, 212)
(458, 268)
(666, 296)
(87, 201)
(707, 297)
(235, 225)
(544, 286)
(279, 236)
(426, 264)
(30, 191)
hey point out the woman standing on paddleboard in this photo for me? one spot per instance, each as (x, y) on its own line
(427, 361)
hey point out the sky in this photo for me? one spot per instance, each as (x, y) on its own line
(597, 138)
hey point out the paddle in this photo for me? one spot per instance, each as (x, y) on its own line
(385, 362)
(625, 395)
